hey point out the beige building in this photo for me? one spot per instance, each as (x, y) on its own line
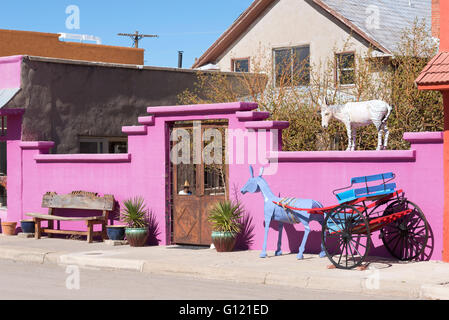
(288, 36)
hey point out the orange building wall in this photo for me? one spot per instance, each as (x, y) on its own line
(444, 25)
(14, 42)
(444, 46)
(446, 177)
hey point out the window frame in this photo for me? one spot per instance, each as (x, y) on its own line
(233, 61)
(3, 126)
(105, 141)
(292, 65)
(3, 158)
(337, 69)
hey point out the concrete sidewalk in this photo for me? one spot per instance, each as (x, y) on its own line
(428, 280)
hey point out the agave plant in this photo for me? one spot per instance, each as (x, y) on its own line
(225, 216)
(135, 213)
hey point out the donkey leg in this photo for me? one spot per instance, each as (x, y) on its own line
(263, 254)
(304, 240)
(349, 132)
(379, 135)
(387, 135)
(279, 250)
(323, 252)
(353, 138)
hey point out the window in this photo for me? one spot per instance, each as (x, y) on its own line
(2, 173)
(292, 66)
(3, 126)
(2, 158)
(89, 145)
(240, 65)
(345, 68)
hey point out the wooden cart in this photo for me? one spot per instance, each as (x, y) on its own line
(348, 226)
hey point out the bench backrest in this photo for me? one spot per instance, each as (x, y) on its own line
(78, 200)
(376, 177)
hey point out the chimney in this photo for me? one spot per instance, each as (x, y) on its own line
(436, 18)
(180, 53)
(444, 26)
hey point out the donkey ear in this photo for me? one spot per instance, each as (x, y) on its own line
(251, 171)
(261, 171)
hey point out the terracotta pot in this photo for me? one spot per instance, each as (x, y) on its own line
(9, 228)
(223, 241)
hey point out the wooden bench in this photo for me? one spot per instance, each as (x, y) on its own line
(77, 200)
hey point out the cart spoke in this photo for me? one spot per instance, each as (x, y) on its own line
(361, 245)
(396, 245)
(355, 248)
(352, 253)
(341, 255)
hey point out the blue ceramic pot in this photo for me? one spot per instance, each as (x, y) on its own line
(116, 233)
(27, 226)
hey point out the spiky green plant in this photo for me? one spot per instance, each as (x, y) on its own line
(225, 216)
(135, 213)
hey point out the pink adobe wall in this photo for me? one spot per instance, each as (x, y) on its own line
(142, 172)
(300, 174)
(10, 68)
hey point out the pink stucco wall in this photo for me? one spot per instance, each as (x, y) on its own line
(314, 175)
(10, 68)
(297, 174)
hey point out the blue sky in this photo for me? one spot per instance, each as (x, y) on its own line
(187, 25)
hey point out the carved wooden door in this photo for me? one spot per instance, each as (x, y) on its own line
(207, 185)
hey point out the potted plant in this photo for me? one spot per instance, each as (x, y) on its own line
(224, 218)
(135, 215)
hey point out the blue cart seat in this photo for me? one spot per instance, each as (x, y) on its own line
(368, 191)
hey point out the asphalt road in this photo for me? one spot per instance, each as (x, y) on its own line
(21, 281)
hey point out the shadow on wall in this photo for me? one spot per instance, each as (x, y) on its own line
(153, 233)
(114, 215)
(245, 239)
(295, 238)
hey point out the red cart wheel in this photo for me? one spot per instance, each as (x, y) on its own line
(346, 237)
(405, 238)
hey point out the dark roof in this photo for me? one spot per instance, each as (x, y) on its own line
(394, 17)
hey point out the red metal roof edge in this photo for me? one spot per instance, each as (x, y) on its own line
(436, 82)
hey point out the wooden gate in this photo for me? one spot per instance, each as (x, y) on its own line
(207, 185)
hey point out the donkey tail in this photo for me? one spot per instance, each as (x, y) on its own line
(390, 109)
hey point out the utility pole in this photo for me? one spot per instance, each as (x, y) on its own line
(136, 37)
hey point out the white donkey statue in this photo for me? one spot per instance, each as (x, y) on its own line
(359, 114)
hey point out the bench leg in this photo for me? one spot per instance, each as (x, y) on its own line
(38, 229)
(103, 230)
(90, 230)
(50, 226)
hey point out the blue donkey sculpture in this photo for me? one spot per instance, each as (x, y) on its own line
(275, 212)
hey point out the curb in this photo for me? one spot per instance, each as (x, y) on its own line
(435, 292)
(24, 254)
(108, 262)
